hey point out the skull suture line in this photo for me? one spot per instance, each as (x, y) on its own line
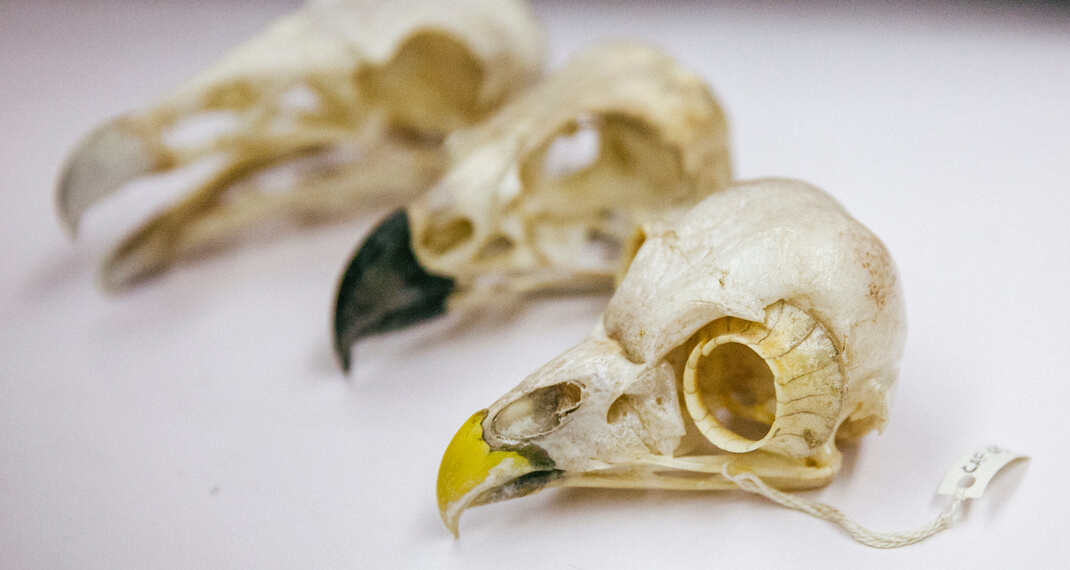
(509, 218)
(352, 97)
(752, 335)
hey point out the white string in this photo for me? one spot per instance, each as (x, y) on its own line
(751, 483)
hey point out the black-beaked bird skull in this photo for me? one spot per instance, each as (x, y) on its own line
(753, 335)
(545, 194)
(513, 202)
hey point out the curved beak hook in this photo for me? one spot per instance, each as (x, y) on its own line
(385, 288)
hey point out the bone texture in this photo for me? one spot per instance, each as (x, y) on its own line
(508, 216)
(775, 265)
(350, 98)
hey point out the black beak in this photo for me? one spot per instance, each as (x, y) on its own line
(384, 288)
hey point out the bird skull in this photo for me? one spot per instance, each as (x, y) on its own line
(349, 99)
(751, 335)
(545, 194)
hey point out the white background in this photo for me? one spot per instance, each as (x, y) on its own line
(200, 422)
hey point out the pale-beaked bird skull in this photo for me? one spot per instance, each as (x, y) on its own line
(544, 195)
(349, 99)
(752, 335)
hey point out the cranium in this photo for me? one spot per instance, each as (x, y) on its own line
(351, 97)
(753, 335)
(524, 208)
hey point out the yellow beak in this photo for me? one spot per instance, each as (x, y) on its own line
(473, 474)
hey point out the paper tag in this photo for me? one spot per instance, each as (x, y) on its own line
(976, 469)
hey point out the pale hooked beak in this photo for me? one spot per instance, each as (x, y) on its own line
(110, 156)
(385, 288)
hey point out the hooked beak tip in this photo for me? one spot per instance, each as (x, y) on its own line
(473, 473)
(108, 157)
(385, 288)
(344, 355)
(453, 523)
(466, 465)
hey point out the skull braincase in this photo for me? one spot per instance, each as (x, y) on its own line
(507, 205)
(744, 266)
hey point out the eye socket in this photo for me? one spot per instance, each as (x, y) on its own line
(538, 412)
(573, 151)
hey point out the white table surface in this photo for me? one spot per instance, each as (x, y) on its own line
(200, 422)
